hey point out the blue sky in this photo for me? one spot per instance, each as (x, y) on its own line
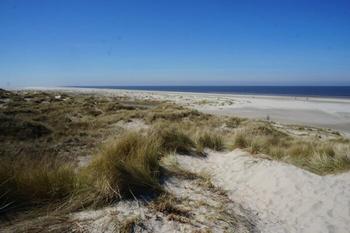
(218, 42)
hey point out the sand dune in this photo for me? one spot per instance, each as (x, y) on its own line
(285, 198)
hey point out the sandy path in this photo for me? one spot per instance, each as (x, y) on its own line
(285, 198)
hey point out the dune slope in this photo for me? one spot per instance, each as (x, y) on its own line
(285, 198)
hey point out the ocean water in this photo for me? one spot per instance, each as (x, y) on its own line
(307, 91)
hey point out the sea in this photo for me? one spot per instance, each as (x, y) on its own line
(305, 91)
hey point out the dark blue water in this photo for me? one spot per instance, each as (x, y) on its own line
(311, 91)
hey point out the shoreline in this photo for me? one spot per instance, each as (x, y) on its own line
(237, 95)
(216, 92)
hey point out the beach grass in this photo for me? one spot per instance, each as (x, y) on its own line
(27, 182)
(318, 156)
(127, 167)
(210, 140)
(174, 139)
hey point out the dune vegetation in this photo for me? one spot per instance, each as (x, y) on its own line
(313, 154)
(44, 134)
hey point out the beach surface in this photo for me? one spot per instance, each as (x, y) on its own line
(329, 113)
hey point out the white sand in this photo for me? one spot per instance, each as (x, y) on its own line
(327, 113)
(209, 211)
(285, 198)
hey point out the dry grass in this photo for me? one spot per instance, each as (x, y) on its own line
(129, 225)
(130, 166)
(234, 122)
(124, 168)
(174, 139)
(59, 124)
(210, 140)
(169, 205)
(319, 156)
(52, 224)
(171, 112)
(127, 167)
(31, 183)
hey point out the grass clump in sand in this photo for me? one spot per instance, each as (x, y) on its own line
(174, 139)
(169, 205)
(129, 225)
(129, 166)
(26, 183)
(212, 141)
(319, 156)
(172, 113)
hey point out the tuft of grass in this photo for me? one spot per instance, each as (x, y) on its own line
(241, 140)
(127, 167)
(28, 183)
(171, 112)
(323, 163)
(173, 139)
(129, 225)
(211, 140)
(234, 122)
(169, 205)
(318, 156)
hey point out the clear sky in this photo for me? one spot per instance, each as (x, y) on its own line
(262, 42)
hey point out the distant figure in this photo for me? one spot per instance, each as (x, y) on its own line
(268, 117)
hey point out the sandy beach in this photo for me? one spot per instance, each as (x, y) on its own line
(329, 113)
